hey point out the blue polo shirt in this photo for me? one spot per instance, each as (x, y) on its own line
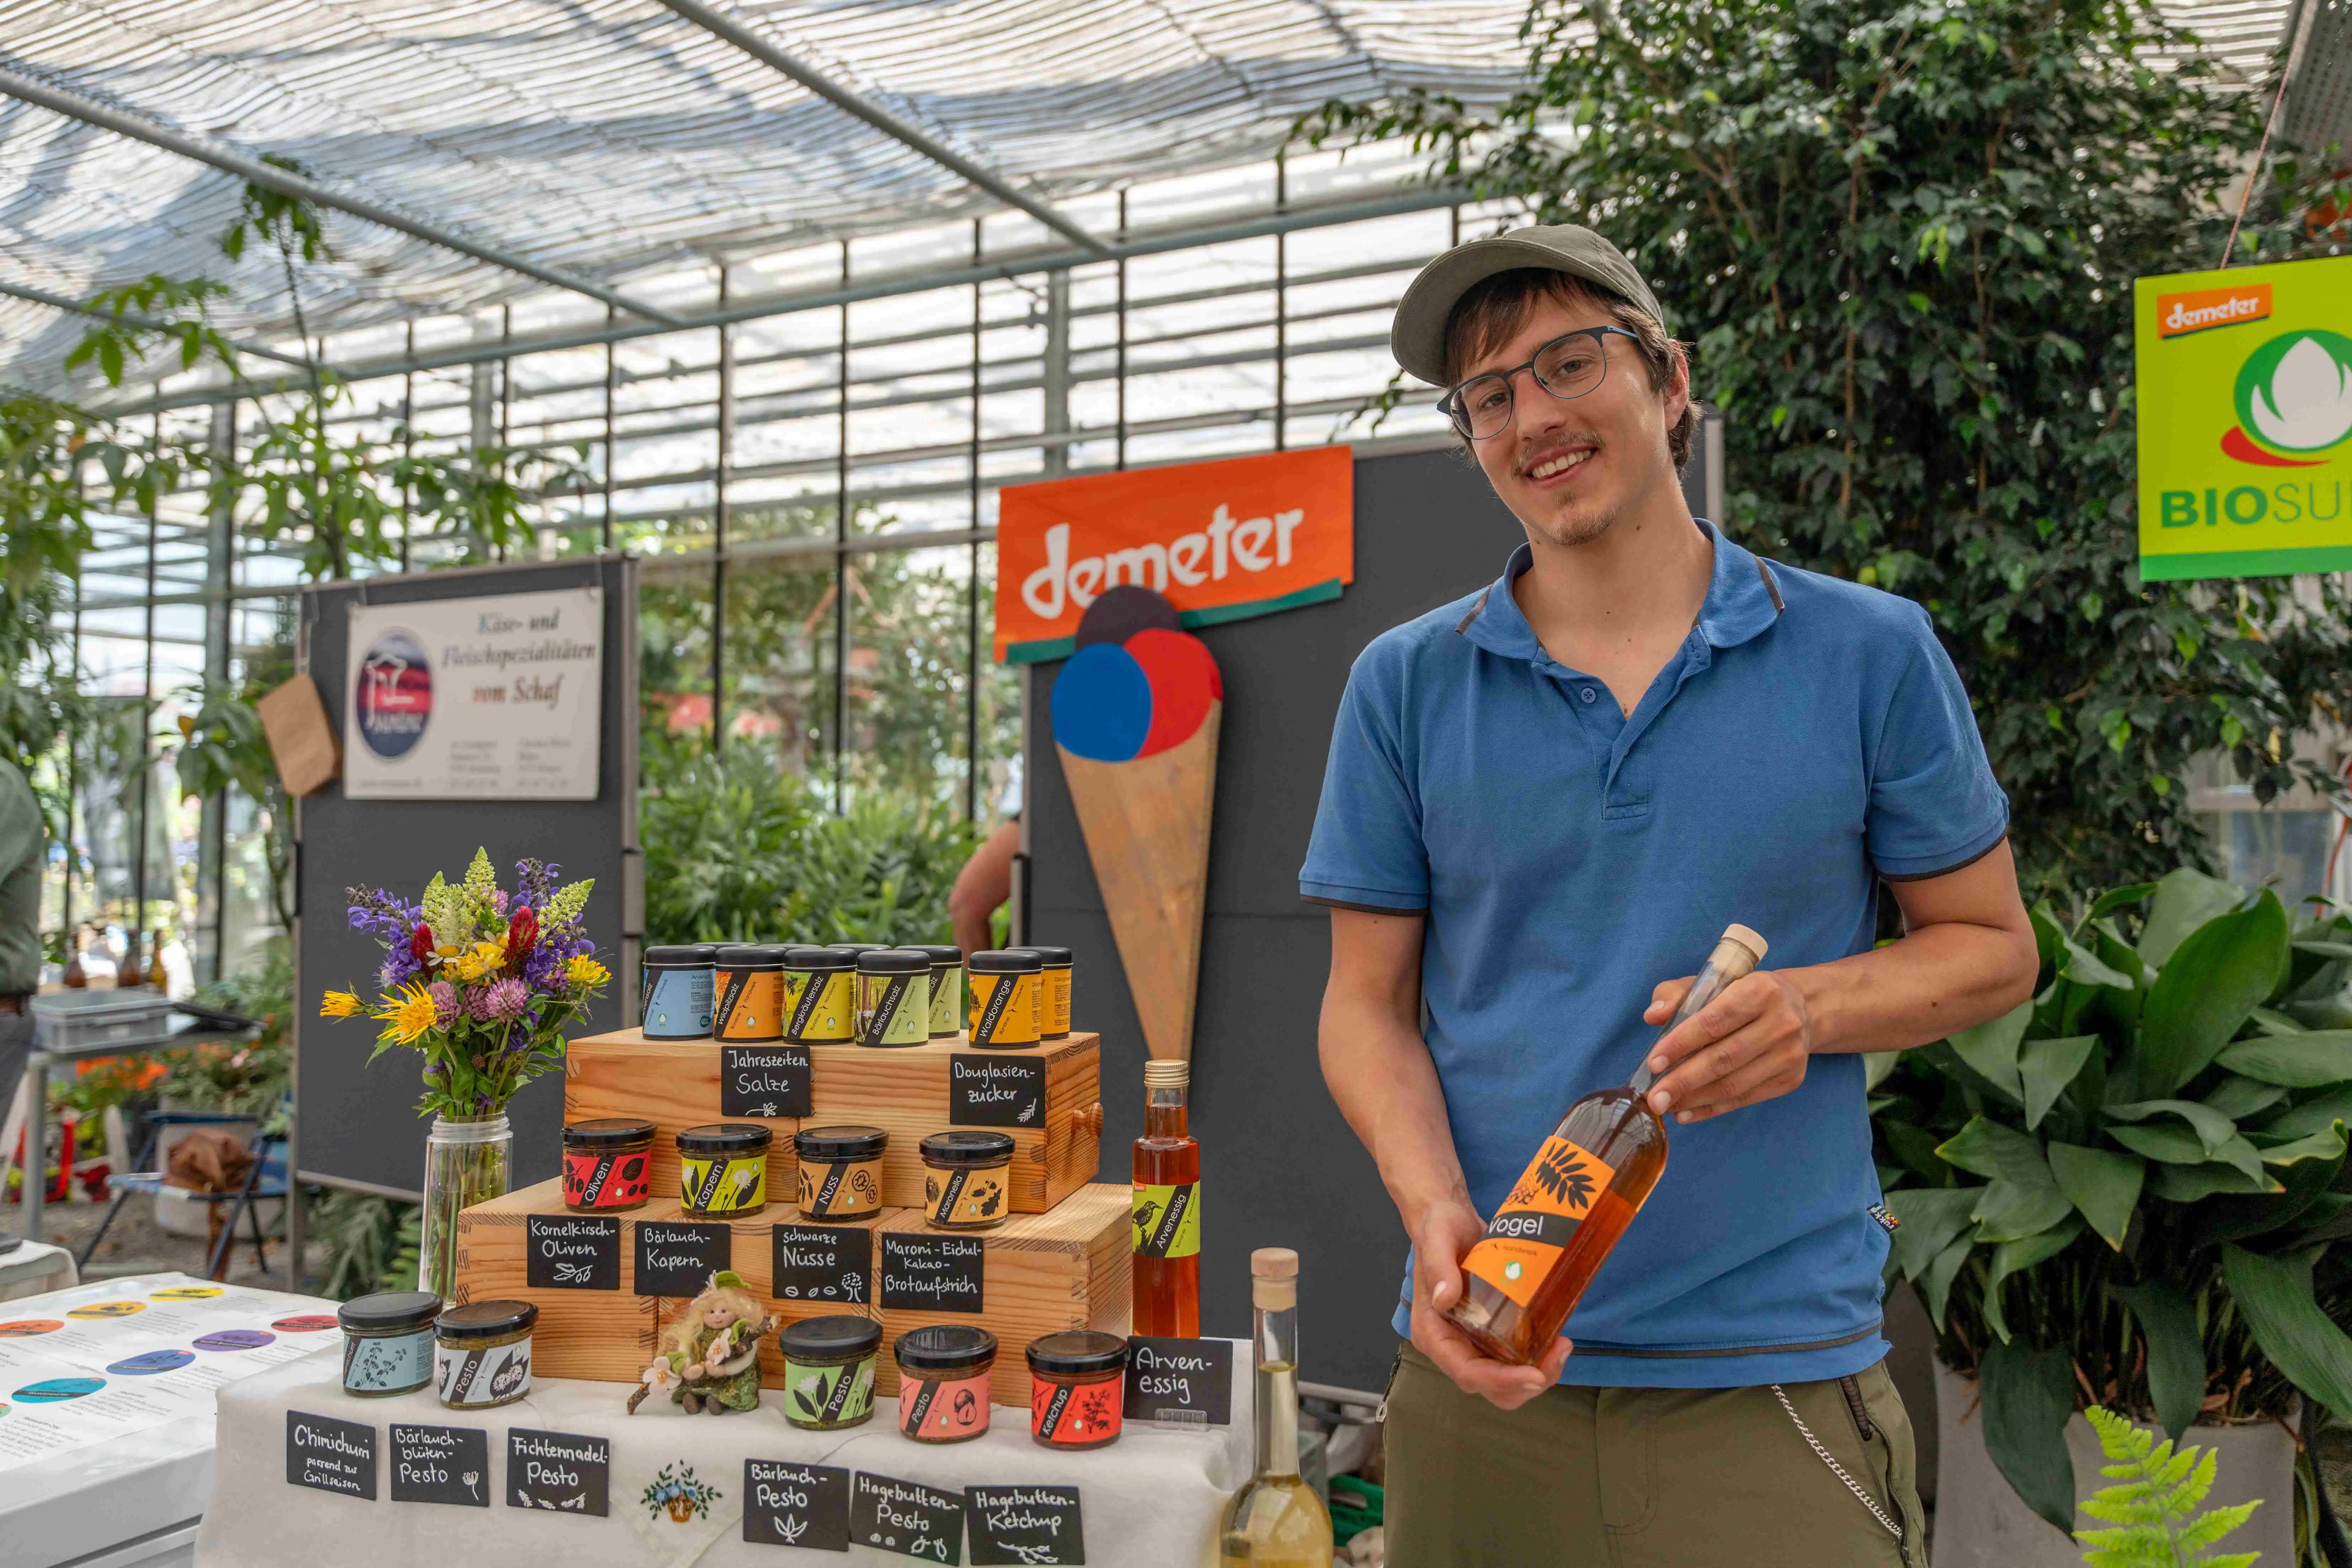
(1808, 738)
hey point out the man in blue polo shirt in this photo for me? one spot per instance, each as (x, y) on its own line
(1543, 803)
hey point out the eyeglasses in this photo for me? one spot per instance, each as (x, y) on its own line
(1569, 366)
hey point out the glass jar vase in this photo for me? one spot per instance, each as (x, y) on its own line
(466, 1162)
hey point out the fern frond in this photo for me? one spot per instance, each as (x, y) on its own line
(2154, 1503)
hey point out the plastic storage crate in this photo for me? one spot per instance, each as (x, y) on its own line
(77, 1023)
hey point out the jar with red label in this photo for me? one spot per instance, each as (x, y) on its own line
(1077, 1383)
(608, 1166)
(943, 1382)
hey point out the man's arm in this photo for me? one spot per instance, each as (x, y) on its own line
(1379, 1070)
(1968, 954)
(982, 888)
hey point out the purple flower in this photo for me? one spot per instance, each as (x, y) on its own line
(509, 999)
(477, 1003)
(498, 899)
(445, 1002)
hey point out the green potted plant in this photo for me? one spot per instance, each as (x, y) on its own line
(2117, 1194)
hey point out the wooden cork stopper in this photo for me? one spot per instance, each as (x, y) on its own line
(1274, 1278)
(1747, 939)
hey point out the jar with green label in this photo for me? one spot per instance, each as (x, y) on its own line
(829, 1371)
(820, 995)
(722, 1169)
(893, 997)
(947, 990)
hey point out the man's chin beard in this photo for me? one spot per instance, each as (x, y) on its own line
(1582, 526)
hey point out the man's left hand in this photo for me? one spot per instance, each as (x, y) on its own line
(1749, 1044)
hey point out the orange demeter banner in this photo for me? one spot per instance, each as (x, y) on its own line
(1223, 541)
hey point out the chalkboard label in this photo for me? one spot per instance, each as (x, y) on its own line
(823, 1263)
(1025, 1524)
(675, 1258)
(1180, 1383)
(763, 1080)
(441, 1464)
(805, 1506)
(907, 1517)
(572, 1252)
(328, 1454)
(993, 1090)
(566, 1471)
(931, 1273)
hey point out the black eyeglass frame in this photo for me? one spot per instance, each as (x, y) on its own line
(1452, 406)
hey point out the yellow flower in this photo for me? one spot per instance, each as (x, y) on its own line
(338, 1005)
(408, 1016)
(484, 960)
(586, 973)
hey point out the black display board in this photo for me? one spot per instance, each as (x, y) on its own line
(1280, 1168)
(355, 1123)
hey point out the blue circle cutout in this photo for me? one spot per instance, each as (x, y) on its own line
(1102, 704)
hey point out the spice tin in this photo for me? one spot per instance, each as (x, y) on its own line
(1053, 992)
(829, 1371)
(750, 993)
(947, 991)
(722, 1168)
(481, 1353)
(964, 1177)
(678, 991)
(943, 1382)
(1005, 1006)
(608, 1166)
(894, 996)
(1076, 1388)
(840, 1172)
(388, 1341)
(820, 995)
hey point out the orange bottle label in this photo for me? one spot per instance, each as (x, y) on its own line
(1525, 1238)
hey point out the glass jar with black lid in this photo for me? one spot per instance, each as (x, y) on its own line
(967, 1179)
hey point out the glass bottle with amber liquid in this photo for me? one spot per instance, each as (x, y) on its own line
(1564, 1214)
(1166, 1213)
(1275, 1520)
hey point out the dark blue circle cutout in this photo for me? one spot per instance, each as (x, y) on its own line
(1102, 704)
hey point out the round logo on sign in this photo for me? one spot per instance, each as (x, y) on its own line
(147, 1363)
(393, 693)
(108, 1310)
(25, 1328)
(308, 1323)
(186, 1293)
(51, 1390)
(235, 1340)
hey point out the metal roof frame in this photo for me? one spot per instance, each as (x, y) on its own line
(74, 307)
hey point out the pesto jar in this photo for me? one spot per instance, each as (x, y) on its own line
(722, 1169)
(829, 1371)
(481, 1353)
(388, 1343)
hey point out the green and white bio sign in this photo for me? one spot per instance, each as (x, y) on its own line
(2245, 420)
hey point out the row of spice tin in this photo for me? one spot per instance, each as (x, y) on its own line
(750, 993)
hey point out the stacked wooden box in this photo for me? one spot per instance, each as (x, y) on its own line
(1060, 1262)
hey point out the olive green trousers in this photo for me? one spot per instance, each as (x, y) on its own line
(1649, 1478)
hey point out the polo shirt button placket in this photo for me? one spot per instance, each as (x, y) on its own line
(1589, 693)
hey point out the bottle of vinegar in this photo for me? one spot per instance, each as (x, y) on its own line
(1275, 1520)
(1561, 1220)
(1166, 1209)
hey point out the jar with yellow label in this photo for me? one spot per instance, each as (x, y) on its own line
(1006, 998)
(967, 1177)
(750, 994)
(840, 1171)
(722, 1169)
(820, 995)
(1053, 992)
(947, 991)
(893, 997)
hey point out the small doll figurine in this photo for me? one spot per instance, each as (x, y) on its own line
(711, 1360)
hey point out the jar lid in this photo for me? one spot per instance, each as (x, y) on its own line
(486, 1319)
(724, 1138)
(854, 948)
(940, 955)
(842, 1335)
(840, 1143)
(945, 1347)
(1077, 1350)
(611, 1132)
(391, 1311)
(818, 958)
(1007, 961)
(966, 1147)
(893, 961)
(751, 956)
(1051, 957)
(692, 956)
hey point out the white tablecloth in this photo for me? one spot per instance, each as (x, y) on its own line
(36, 1269)
(1152, 1499)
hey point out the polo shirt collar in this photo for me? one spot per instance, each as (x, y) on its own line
(1742, 600)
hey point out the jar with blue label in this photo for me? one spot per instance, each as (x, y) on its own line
(679, 989)
(388, 1343)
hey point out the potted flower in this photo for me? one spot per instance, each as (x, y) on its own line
(482, 984)
(2123, 1194)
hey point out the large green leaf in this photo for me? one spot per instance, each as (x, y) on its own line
(2114, 898)
(2173, 1146)
(1929, 1219)
(2242, 1098)
(2329, 1219)
(2016, 1256)
(2323, 1145)
(2101, 1182)
(1940, 1275)
(1991, 1048)
(2212, 1128)
(1915, 1147)
(1990, 1148)
(2217, 977)
(2275, 1023)
(2241, 1216)
(2028, 1395)
(2275, 1296)
(2189, 1183)
(2331, 1105)
(2307, 1060)
(2086, 968)
(2185, 900)
(2176, 1353)
(2047, 1067)
(2023, 1198)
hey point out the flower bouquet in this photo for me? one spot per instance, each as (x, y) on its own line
(482, 984)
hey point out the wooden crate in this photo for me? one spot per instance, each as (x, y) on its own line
(905, 1091)
(1039, 1273)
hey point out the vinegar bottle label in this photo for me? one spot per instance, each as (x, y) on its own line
(1524, 1241)
(1167, 1220)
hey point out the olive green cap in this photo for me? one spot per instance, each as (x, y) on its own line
(728, 1280)
(1417, 335)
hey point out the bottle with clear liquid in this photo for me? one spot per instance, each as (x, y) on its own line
(1276, 1521)
(1584, 1186)
(1166, 1215)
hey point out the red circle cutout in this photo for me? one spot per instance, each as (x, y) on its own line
(1184, 681)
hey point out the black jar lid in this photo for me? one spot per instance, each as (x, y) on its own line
(725, 1138)
(841, 1142)
(855, 948)
(818, 958)
(968, 1148)
(694, 955)
(389, 1311)
(1076, 1351)
(945, 1347)
(837, 1338)
(942, 955)
(1007, 961)
(893, 961)
(749, 955)
(486, 1319)
(612, 1132)
(1051, 957)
